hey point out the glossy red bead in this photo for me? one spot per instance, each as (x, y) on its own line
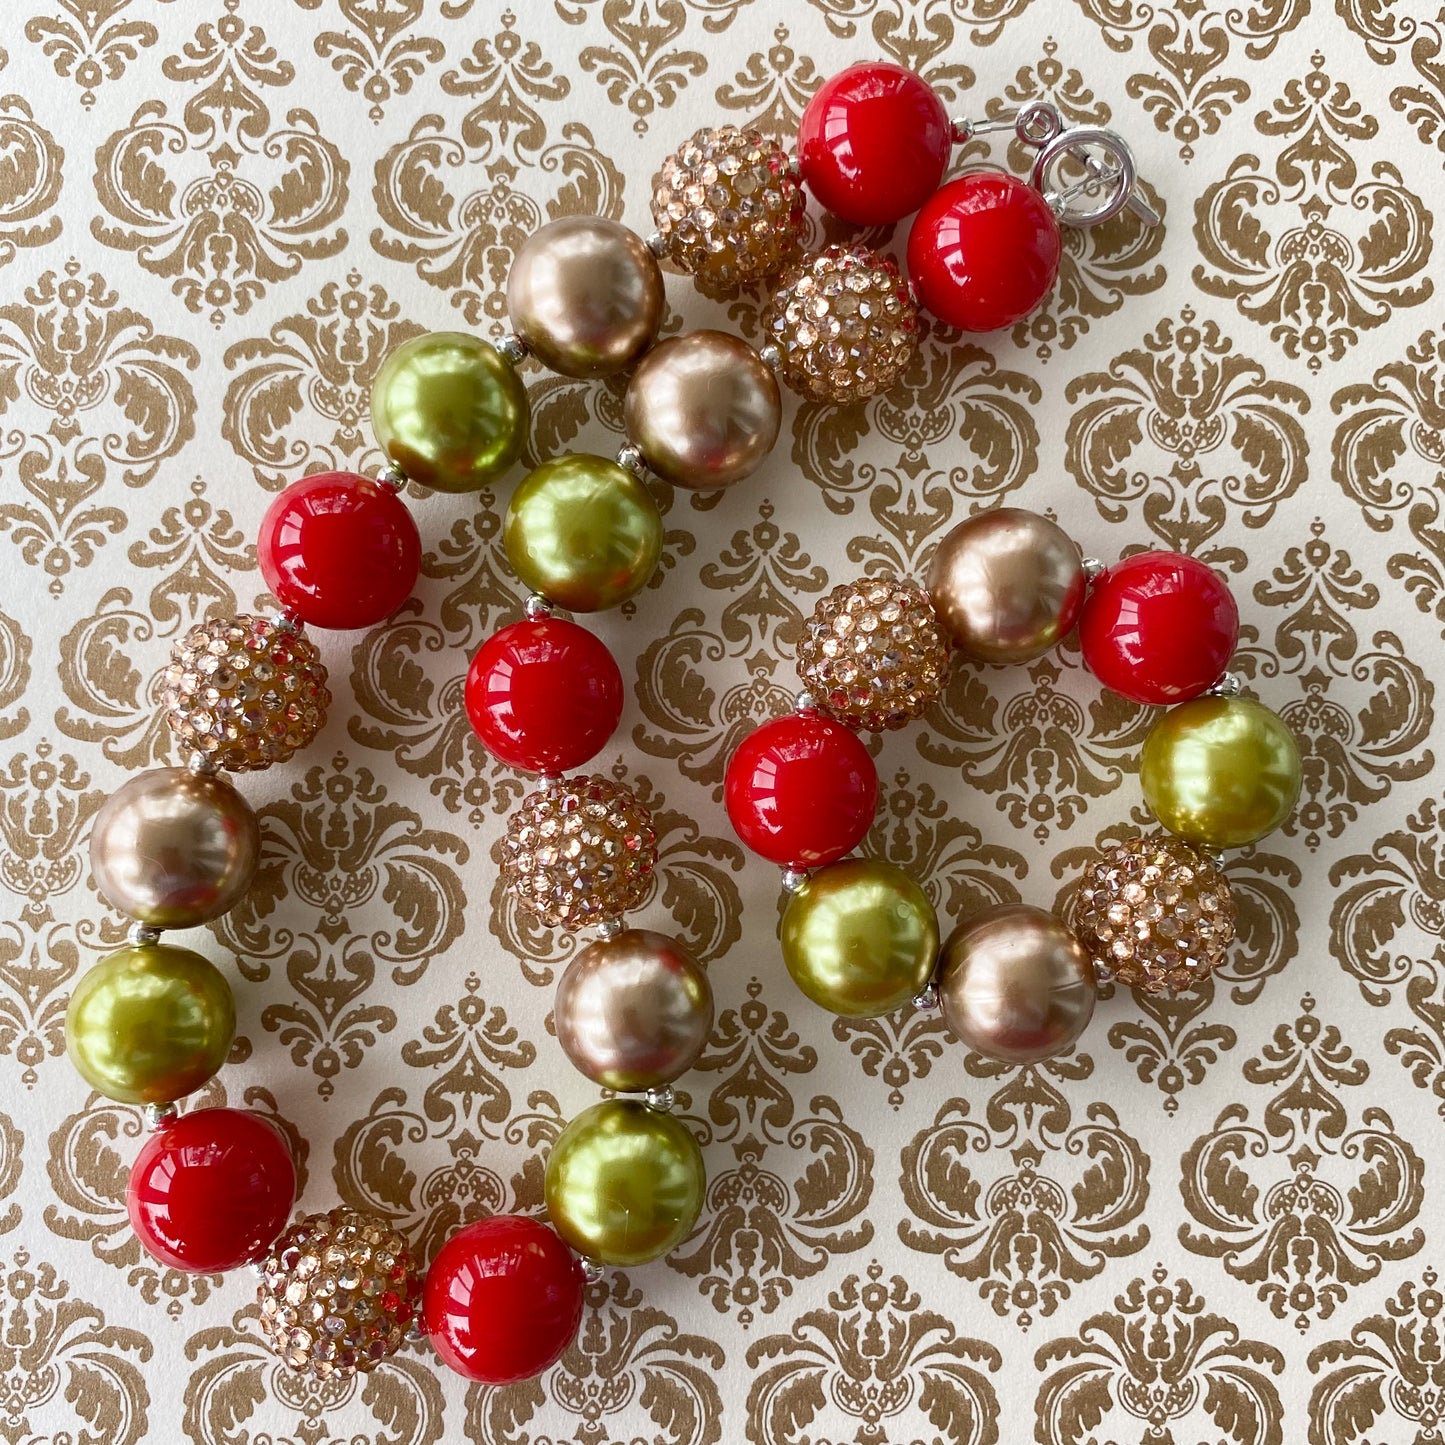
(1159, 627)
(503, 1299)
(339, 550)
(874, 143)
(544, 695)
(984, 251)
(211, 1190)
(801, 790)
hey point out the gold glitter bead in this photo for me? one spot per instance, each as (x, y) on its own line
(844, 322)
(729, 208)
(338, 1293)
(1156, 913)
(578, 851)
(244, 692)
(874, 654)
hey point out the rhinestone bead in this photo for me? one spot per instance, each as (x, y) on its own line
(1156, 912)
(845, 324)
(244, 692)
(338, 1293)
(874, 654)
(729, 208)
(579, 851)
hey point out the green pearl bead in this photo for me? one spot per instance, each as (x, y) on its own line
(449, 410)
(1220, 771)
(584, 532)
(625, 1183)
(150, 1023)
(860, 938)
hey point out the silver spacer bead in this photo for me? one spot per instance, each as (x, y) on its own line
(804, 702)
(537, 606)
(513, 349)
(631, 457)
(657, 243)
(1230, 685)
(793, 879)
(1103, 972)
(609, 928)
(1093, 568)
(960, 130)
(926, 997)
(202, 765)
(416, 1333)
(771, 355)
(143, 933)
(592, 1272)
(157, 1116)
(661, 1097)
(393, 477)
(795, 168)
(1215, 855)
(285, 619)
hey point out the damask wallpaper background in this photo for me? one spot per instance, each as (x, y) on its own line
(1220, 1218)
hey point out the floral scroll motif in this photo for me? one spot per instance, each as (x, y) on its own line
(1306, 1203)
(1023, 1201)
(116, 400)
(1313, 251)
(91, 41)
(31, 174)
(878, 1359)
(375, 58)
(1160, 1364)
(223, 203)
(627, 1354)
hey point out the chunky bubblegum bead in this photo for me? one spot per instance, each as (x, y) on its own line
(983, 251)
(544, 695)
(211, 1190)
(1159, 627)
(339, 550)
(503, 1299)
(874, 143)
(801, 790)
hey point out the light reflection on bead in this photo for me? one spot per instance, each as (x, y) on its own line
(338, 1293)
(579, 850)
(874, 654)
(1154, 912)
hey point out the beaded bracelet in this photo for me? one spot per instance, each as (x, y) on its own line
(177, 847)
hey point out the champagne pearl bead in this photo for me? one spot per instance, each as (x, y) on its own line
(172, 848)
(150, 1023)
(703, 409)
(633, 1012)
(586, 296)
(860, 938)
(624, 1183)
(1015, 984)
(1007, 584)
(1220, 771)
(584, 532)
(449, 410)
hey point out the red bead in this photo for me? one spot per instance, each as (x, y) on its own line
(503, 1299)
(211, 1190)
(801, 790)
(874, 143)
(1159, 627)
(984, 251)
(340, 551)
(544, 695)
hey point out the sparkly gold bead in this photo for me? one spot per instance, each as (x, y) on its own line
(244, 692)
(874, 654)
(729, 208)
(844, 322)
(1156, 913)
(338, 1293)
(578, 851)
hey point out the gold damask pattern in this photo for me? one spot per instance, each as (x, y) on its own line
(1219, 1219)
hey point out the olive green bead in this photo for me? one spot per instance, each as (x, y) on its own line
(860, 938)
(1220, 771)
(584, 532)
(150, 1023)
(625, 1183)
(449, 410)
